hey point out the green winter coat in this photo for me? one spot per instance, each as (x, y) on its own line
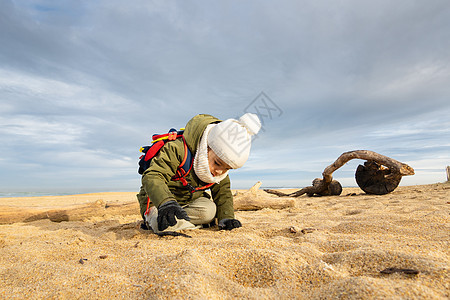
(157, 183)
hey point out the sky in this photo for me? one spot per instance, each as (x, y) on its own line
(84, 84)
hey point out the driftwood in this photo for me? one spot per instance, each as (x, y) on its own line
(372, 178)
(448, 173)
(10, 214)
(255, 199)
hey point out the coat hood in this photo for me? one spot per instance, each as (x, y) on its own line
(194, 130)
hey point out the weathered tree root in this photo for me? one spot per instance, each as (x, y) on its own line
(384, 181)
(373, 178)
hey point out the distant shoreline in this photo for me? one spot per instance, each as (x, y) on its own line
(50, 194)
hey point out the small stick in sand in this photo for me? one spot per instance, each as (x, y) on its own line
(399, 270)
(172, 233)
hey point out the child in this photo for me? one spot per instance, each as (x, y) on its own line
(216, 147)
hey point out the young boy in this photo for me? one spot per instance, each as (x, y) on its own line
(216, 147)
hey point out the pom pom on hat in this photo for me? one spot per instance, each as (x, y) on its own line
(251, 123)
(231, 139)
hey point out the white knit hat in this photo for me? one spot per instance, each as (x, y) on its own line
(231, 140)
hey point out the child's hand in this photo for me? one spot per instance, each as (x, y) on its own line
(229, 224)
(167, 213)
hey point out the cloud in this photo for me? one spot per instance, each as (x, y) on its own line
(95, 80)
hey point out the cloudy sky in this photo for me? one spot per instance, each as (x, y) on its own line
(84, 84)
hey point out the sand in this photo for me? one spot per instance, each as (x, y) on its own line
(323, 248)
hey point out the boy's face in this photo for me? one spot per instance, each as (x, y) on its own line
(216, 165)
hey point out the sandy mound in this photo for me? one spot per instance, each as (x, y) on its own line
(327, 247)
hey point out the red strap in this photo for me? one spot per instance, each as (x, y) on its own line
(183, 181)
(204, 187)
(153, 150)
(185, 154)
(148, 204)
(181, 174)
(168, 135)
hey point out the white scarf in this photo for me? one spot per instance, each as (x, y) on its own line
(201, 164)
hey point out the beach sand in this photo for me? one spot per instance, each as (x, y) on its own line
(323, 248)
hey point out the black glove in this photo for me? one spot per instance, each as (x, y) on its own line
(229, 224)
(167, 213)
